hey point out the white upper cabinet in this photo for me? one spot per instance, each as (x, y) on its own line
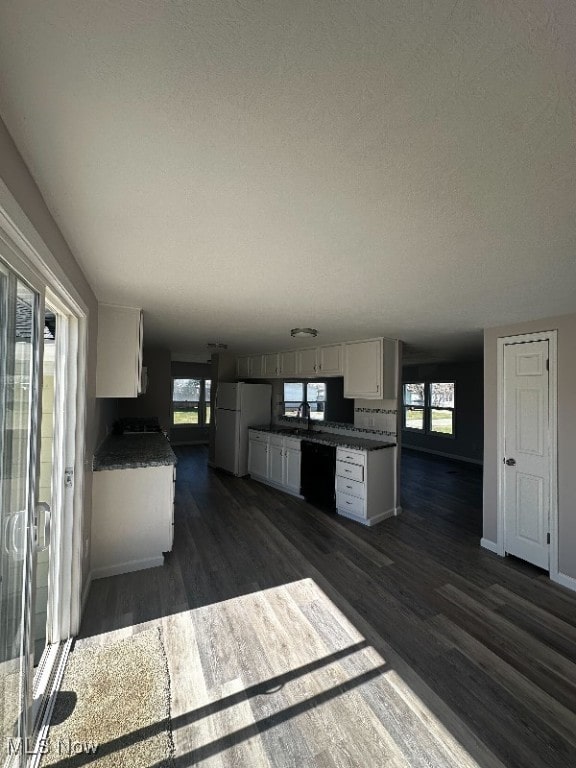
(371, 369)
(256, 363)
(271, 364)
(119, 362)
(288, 363)
(243, 367)
(330, 360)
(363, 369)
(307, 362)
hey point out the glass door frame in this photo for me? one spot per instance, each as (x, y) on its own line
(26, 254)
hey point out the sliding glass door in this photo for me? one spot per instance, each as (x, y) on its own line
(19, 380)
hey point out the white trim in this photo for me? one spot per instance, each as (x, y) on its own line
(369, 521)
(128, 567)
(78, 446)
(491, 546)
(551, 337)
(44, 727)
(455, 456)
(30, 257)
(22, 232)
(564, 581)
(277, 486)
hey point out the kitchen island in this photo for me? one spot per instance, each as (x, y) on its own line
(132, 503)
(359, 478)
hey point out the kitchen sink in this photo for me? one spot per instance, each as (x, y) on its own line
(296, 431)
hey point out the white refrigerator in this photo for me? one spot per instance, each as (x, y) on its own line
(239, 406)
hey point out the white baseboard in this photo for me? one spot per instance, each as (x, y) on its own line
(564, 581)
(131, 565)
(369, 520)
(278, 486)
(491, 546)
(445, 455)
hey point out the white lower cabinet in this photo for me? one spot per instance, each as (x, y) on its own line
(366, 484)
(132, 519)
(258, 455)
(275, 460)
(292, 468)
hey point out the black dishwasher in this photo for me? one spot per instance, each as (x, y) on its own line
(318, 474)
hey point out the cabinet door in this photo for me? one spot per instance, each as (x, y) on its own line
(270, 364)
(330, 360)
(276, 474)
(243, 367)
(256, 366)
(306, 362)
(119, 352)
(288, 363)
(258, 459)
(292, 469)
(363, 369)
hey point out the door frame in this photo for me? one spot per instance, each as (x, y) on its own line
(28, 254)
(552, 338)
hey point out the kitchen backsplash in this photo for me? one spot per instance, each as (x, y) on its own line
(370, 433)
(376, 414)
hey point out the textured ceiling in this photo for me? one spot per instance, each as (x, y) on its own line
(238, 168)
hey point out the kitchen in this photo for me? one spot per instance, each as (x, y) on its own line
(336, 448)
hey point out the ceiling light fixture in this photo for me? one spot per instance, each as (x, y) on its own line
(216, 345)
(303, 332)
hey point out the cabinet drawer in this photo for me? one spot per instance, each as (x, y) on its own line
(351, 504)
(261, 437)
(351, 471)
(354, 457)
(350, 487)
(293, 443)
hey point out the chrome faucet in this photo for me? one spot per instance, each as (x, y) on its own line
(304, 413)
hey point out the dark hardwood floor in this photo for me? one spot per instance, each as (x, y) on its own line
(298, 638)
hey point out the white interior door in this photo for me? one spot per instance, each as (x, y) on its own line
(527, 452)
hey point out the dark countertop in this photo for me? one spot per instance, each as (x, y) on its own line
(327, 438)
(134, 452)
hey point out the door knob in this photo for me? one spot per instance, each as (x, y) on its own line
(511, 462)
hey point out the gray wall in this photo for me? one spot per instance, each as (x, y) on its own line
(157, 401)
(222, 368)
(566, 327)
(19, 181)
(188, 435)
(467, 442)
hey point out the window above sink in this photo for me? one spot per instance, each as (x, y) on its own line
(312, 393)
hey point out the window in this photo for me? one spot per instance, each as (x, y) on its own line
(441, 399)
(312, 392)
(190, 402)
(414, 402)
(429, 407)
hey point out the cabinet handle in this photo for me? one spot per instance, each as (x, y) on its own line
(346, 470)
(348, 502)
(377, 387)
(349, 486)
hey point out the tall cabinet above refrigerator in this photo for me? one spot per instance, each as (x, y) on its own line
(239, 406)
